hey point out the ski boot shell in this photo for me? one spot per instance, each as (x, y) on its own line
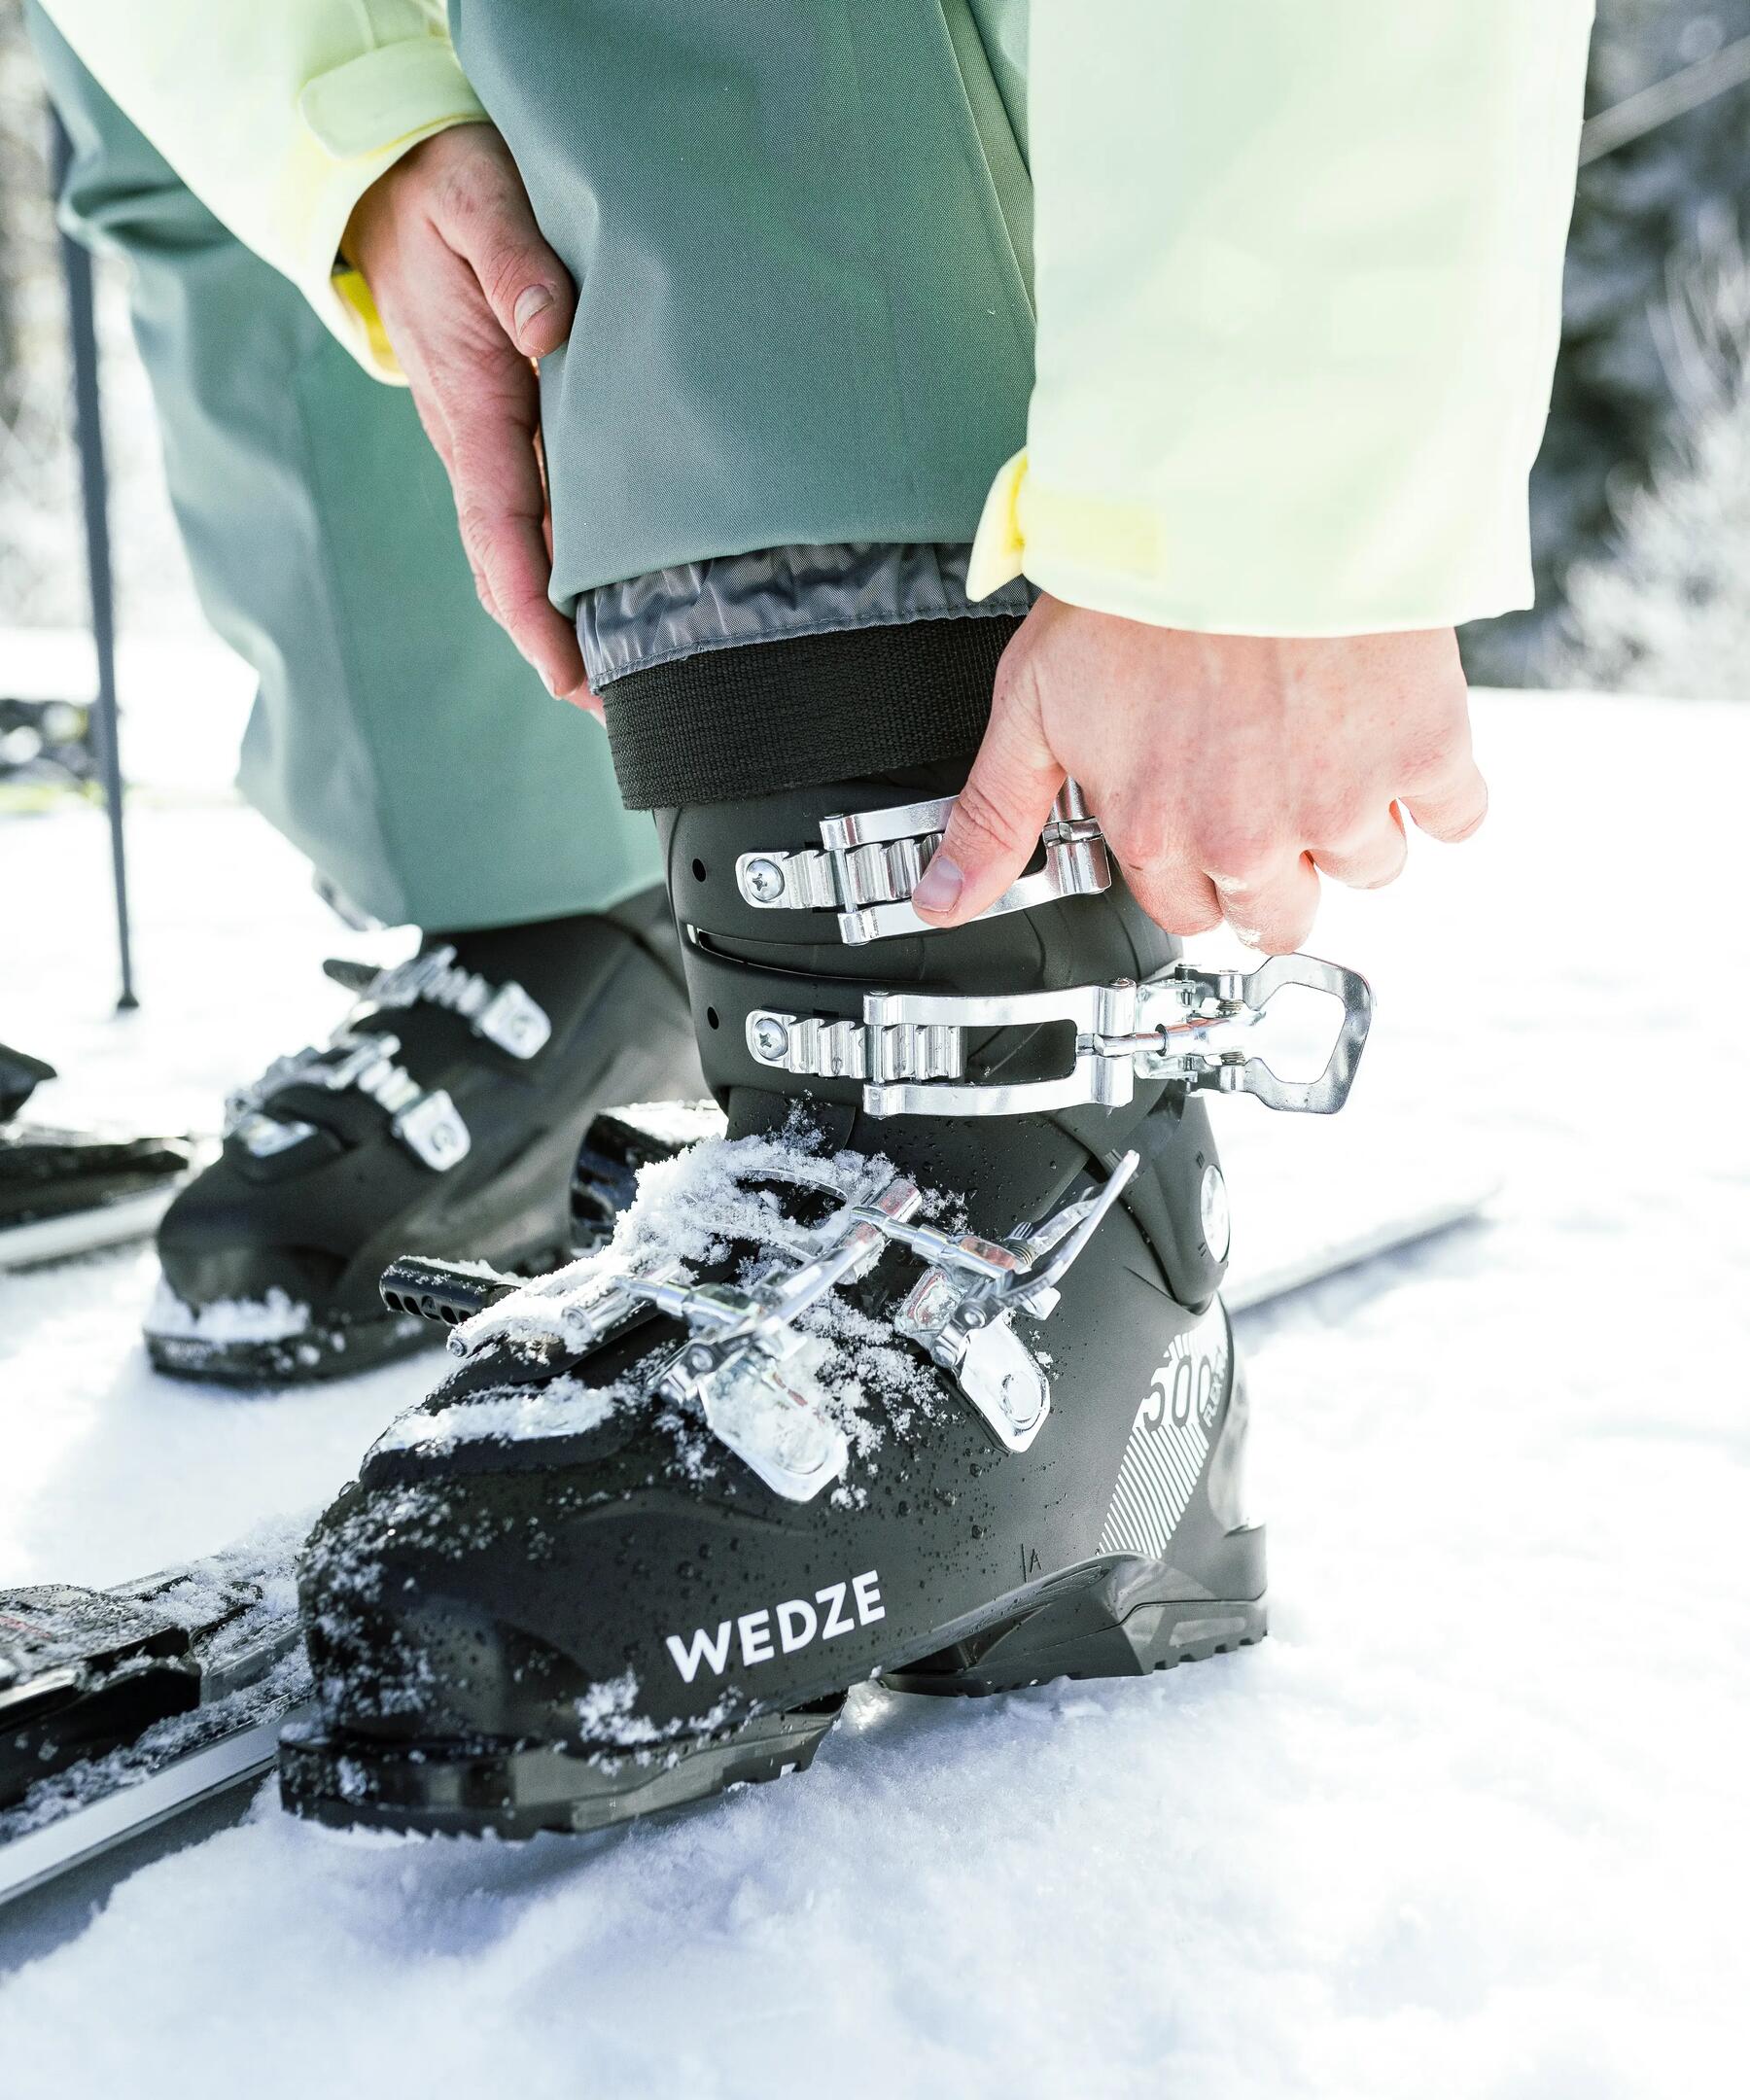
(442, 1118)
(67, 1192)
(946, 1399)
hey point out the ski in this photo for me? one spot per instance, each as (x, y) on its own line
(121, 1708)
(74, 1192)
(1254, 1287)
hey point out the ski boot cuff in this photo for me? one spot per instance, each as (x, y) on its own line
(811, 972)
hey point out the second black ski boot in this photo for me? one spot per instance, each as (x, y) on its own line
(444, 1117)
(921, 1372)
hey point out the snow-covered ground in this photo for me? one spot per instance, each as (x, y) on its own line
(1469, 1823)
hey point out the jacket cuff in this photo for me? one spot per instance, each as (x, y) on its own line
(999, 550)
(1124, 558)
(363, 116)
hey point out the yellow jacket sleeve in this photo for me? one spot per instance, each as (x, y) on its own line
(279, 115)
(1298, 270)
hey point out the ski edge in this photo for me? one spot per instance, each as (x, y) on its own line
(44, 1855)
(83, 1232)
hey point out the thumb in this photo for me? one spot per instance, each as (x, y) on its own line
(1001, 809)
(491, 226)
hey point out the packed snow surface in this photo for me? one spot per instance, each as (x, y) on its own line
(1469, 1823)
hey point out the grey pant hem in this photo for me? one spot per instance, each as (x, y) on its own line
(776, 594)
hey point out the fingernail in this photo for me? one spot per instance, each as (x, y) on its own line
(941, 886)
(530, 306)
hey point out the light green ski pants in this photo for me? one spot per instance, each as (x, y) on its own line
(398, 739)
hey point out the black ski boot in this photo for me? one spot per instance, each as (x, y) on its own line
(444, 1117)
(921, 1372)
(67, 1192)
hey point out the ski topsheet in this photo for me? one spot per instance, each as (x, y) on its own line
(121, 1708)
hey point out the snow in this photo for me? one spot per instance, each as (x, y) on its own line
(274, 1318)
(564, 1407)
(1469, 1823)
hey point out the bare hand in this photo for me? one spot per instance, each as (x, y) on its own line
(1226, 771)
(469, 294)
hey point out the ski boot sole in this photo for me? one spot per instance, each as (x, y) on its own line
(351, 1782)
(1036, 1649)
(340, 1349)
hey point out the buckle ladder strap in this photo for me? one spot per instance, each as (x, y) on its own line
(822, 1049)
(910, 1046)
(503, 1014)
(868, 865)
(430, 1125)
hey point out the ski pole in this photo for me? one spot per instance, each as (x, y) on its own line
(82, 329)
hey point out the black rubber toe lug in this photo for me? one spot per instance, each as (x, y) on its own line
(338, 1348)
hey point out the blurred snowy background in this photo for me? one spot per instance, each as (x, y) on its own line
(42, 561)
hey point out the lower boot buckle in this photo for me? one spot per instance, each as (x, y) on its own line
(910, 1047)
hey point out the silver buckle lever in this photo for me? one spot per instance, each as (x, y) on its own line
(867, 866)
(910, 1047)
(960, 1310)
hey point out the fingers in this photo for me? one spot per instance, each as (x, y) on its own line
(1274, 909)
(1176, 896)
(469, 293)
(483, 213)
(1452, 805)
(501, 506)
(1369, 859)
(1001, 809)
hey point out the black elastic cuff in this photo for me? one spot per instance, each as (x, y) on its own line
(766, 715)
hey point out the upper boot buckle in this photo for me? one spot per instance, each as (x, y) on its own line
(870, 862)
(502, 1014)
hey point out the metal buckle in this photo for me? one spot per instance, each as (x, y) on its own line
(1241, 998)
(960, 1311)
(505, 1015)
(822, 1049)
(750, 1367)
(516, 1022)
(430, 1125)
(911, 1046)
(433, 1131)
(868, 865)
(746, 1365)
(264, 1136)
